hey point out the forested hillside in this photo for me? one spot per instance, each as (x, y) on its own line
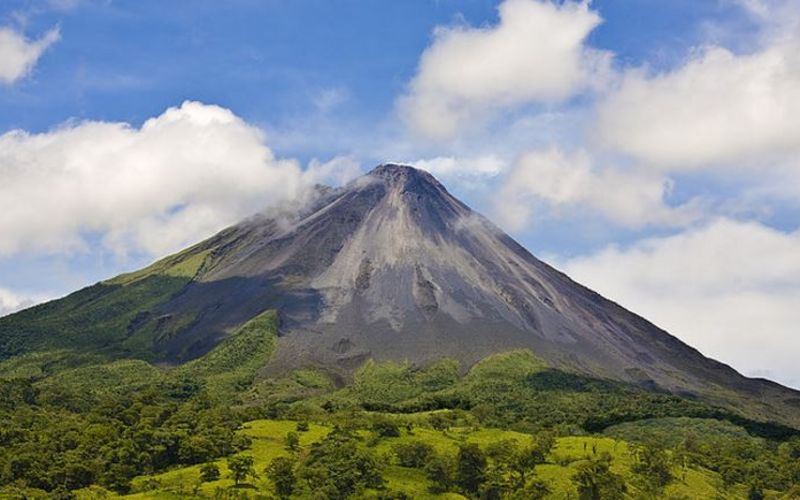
(509, 428)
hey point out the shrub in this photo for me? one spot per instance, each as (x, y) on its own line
(281, 472)
(413, 454)
(292, 441)
(470, 468)
(440, 471)
(337, 467)
(385, 427)
(241, 467)
(595, 481)
(209, 472)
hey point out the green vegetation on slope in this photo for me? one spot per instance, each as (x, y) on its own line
(516, 390)
(73, 421)
(509, 428)
(113, 318)
(185, 264)
(96, 318)
(231, 366)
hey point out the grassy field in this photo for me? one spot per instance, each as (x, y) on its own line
(269, 441)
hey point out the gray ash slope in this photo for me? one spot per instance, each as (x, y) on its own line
(392, 266)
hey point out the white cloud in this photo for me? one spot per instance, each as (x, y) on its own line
(536, 53)
(467, 172)
(729, 288)
(181, 176)
(556, 182)
(18, 55)
(720, 108)
(11, 301)
(759, 8)
(336, 171)
(777, 17)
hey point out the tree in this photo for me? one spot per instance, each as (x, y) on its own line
(302, 426)
(76, 475)
(441, 421)
(337, 467)
(195, 449)
(470, 468)
(292, 441)
(731, 472)
(385, 427)
(440, 471)
(534, 490)
(241, 467)
(503, 452)
(500, 480)
(496, 484)
(209, 472)
(595, 481)
(117, 477)
(412, 454)
(653, 466)
(544, 441)
(28, 468)
(281, 472)
(520, 461)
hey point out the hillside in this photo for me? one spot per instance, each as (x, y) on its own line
(129, 428)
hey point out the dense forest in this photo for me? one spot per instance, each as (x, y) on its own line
(510, 427)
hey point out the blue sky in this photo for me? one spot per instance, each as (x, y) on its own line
(648, 148)
(268, 61)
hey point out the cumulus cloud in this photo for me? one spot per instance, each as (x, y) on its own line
(556, 182)
(179, 177)
(718, 109)
(536, 53)
(729, 288)
(18, 55)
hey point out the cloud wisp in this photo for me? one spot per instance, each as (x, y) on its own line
(18, 55)
(12, 301)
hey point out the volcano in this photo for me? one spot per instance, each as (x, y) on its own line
(388, 267)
